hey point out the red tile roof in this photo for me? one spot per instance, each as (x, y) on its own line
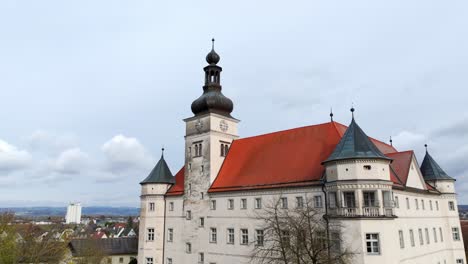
(288, 158)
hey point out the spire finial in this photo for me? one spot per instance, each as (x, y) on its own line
(352, 110)
(331, 114)
(425, 145)
(212, 43)
(391, 141)
(162, 152)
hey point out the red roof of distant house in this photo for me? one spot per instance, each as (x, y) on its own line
(288, 158)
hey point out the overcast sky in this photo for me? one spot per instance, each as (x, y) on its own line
(91, 90)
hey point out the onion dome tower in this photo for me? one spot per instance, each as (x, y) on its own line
(435, 175)
(212, 100)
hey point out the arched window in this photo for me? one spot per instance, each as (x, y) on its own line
(222, 150)
(196, 150)
(226, 149)
(199, 149)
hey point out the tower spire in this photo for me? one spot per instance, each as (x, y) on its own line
(391, 141)
(352, 110)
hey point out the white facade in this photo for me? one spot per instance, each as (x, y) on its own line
(73, 215)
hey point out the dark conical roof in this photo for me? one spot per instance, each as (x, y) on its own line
(431, 170)
(160, 174)
(355, 144)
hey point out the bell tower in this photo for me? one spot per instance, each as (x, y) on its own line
(209, 133)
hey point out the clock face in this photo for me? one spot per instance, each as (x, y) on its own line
(223, 125)
(199, 125)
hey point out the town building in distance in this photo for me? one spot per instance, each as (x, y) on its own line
(388, 208)
(73, 215)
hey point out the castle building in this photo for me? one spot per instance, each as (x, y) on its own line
(391, 210)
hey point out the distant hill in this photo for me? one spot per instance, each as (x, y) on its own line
(61, 211)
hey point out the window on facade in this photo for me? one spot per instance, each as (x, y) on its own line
(149, 261)
(230, 204)
(422, 205)
(202, 168)
(434, 231)
(260, 237)
(169, 260)
(299, 201)
(451, 206)
(349, 199)
(437, 205)
(213, 235)
(397, 202)
(213, 205)
(170, 234)
(188, 215)
(188, 248)
(171, 206)
(387, 201)
(459, 261)
(332, 199)
(402, 239)
(416, 203)
(284, 202)
(244, 236)
(427, 235)
(372, 243)
(367, 167)
(430, 205)
(201, 258)
(285, 237)
(243, 204)
(318, 201)
(151, 206)
(335, 242)
(455, 234)
(258, 203)
(201, 222)
(230, 235)
(224, 149)
(407, 203)
(369, 199)
(421, 239)
(411, 234)
(120, 260)
(150, 232)
(441, 236)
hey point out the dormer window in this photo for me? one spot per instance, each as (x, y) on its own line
(367, 167)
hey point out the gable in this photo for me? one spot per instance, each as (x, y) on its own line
(415, 178)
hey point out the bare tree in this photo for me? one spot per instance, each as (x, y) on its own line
(42, 246)
(297, 236)
(9, 251)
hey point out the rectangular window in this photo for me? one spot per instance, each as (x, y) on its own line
(427, 236)
(169, 260)
(120, 260)
(299, 202)
(284, 202)
(335, 242)
(213, 205)
(459, 261)
(230, 204)
(421, 239)
(349, 199)
(372, 243)
(149, 260)
(416, 204)
(318, 201)
(213, 235)
(402, 239)
(369, 199)
(332, 199)
(407, 203)
(188, 215)
(397, 202)
(188, 248)
(411, 234)
(387, 201)
(171, 206)
(244, 236)
(151, 206)
(230, 235)
(434, 231)
(437, 205)
(258, 203)
(441, 236)
(430, 205)
(170, 235)
(451, 206)
(150, 234)
(201, 222)
(260, 237)
(285, 237)
(422, 205)
(201, 258)
(455, 234)
(243, 204)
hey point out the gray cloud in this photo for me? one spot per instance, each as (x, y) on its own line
(11, 158)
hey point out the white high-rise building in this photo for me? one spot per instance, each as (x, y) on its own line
(388, 208)
(73, 214)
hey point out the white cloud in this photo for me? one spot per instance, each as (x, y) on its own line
(126, 153)
(71, 161)
(48, 142)
(12, 158)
